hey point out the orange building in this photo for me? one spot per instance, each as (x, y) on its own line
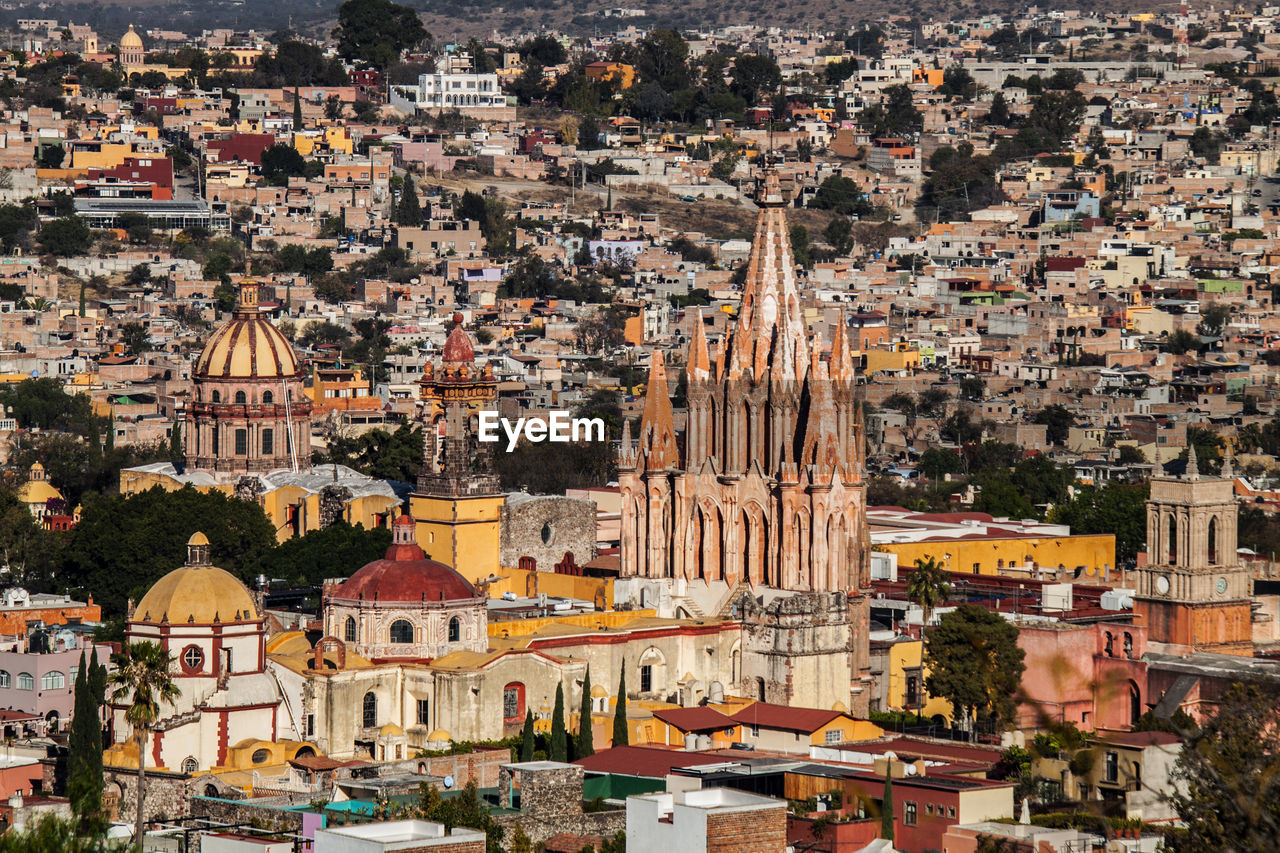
(340, 389)
(18, 607)
(609, 72)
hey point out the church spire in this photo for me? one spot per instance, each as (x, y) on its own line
(769, 320)
(1193, 466)
(841, 361)
(699, 365)
(657, 448)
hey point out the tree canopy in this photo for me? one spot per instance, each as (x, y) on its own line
(376, 32)
(974, 663)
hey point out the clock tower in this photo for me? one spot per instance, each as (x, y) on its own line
(1194, 594)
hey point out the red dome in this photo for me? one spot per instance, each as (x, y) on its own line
(458, 348)
(405, 574)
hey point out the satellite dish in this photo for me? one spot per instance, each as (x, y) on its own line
(448, 782)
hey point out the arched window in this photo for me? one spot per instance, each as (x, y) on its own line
(370, 710)
(190, 765)
(240, 398)
(513, 702)
(1173, 539)
(349, 631)
(53, 681)
(1111, 645)
(401, 631)
(216, 397)
(455, 630)
(1135, 703)
(268, 397)
(5, 681)
(1128, 645)
(1213, 541)
(25, 681)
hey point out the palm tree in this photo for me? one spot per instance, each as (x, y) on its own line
(142, 679)
(929, 586)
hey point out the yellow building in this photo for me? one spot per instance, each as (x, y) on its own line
(904, 677)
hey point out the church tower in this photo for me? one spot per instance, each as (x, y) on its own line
(458, 502)
(765, 501)
(1194, 594)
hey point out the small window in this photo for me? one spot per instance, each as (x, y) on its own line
(53, 681)
(401, 631)
(242, 442)
(834, 736)
(546, 533)
(25, 681)
(193, 658)
(240, 398)
(1113, 766)
(370, 716)
(268, 442)
(951, 811)
(4, 678)
(311, 725)
(216, 397)
(424, 711)
(260, 756)
(909, 813)
(646, 678)
(455, 630)
(928, 808)
(349, 632)
(513, 702)
(267, 397)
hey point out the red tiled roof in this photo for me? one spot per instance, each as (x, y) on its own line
(654, 762)
(316, 763)
(784, 717)
(701, 719)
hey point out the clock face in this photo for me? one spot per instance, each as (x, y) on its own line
(1162, 585)
(1221, 586)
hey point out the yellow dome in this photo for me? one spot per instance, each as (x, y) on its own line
(248, 346)
(198, 538)
(37, 492)
(197, 594)
(439, 735)
(390, 729)
(131, 39)
(598, 692)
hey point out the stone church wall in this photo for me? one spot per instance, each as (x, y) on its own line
(546, 527)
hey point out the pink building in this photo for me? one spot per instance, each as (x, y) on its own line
(1091, 675)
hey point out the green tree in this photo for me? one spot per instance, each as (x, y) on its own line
(281, 162)
(308, 559)
(527, 738)
(376, 32)
(841, 195)
(559, 736)
(621, 734)
(1058, 422)
(409, 211)
(142, 680)
(897, 116)
(1116, 508)
(799, 237)
(1228, 775)
(64, 835)
(586, 737)
(755, 76)
(929, 586)
(1001, 498)
(84, 751)
(998, 114)
(839, 233)
(936, 462)
(974, 662)
(136, 337)
(66, 236)
(1213, 319)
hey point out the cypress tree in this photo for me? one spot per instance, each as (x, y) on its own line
(409, 212)
(586, 738)
(886, 812)
(82, 306)
(297, 110)
(527, 737)
(78, 742)
(559, 738)
(621, 737)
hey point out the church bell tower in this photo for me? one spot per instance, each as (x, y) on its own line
(1194, 594)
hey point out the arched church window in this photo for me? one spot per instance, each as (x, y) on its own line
(455, 630)
(216, 397)
(513, 702)
(268, 397)
(1111, 645)
(1173, 539)
(1128, 644)
(190, 765)
(240, 398)
(1213, 541)
(401, 631)
(370, 711)
(349, 632)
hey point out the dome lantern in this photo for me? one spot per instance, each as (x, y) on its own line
(198, 550)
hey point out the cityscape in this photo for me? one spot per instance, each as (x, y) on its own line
(821, 428)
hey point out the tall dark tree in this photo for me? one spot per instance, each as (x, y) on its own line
(297, 110)
(621, 734)
(559, 750)
(886, 807)
(999, 112)
(84, 745)
(409, 211)
(586, 737)
(527, 738)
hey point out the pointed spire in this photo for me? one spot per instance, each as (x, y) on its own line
(627, 456)
(657, 422)
(1193, 466)
(698, 366)
(841, 359)
(1228, 471)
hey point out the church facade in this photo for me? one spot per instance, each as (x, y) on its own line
(760, 513)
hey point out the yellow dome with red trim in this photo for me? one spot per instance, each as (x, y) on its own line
(248, 346)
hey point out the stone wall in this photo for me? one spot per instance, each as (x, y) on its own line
(551, 802)
(264, 812)
(546, 527)
(168, 795)
(797, 649)
(751, 831)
